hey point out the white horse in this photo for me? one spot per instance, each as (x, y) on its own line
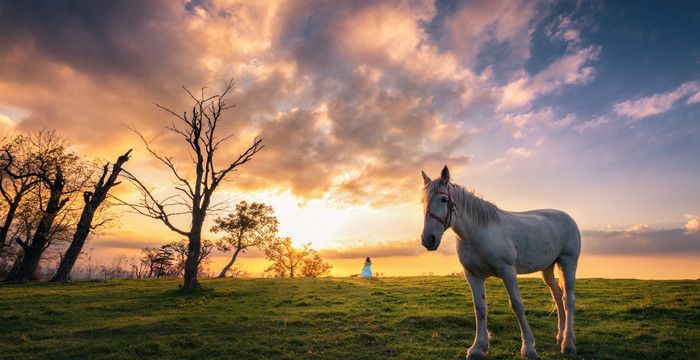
(495, 242)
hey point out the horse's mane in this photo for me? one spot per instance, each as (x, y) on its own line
(481, 211)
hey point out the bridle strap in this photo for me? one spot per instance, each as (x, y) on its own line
(450, 205)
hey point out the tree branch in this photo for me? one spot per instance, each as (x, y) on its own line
(149, 206)
(167, 161)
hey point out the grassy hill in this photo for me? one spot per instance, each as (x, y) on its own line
(337, 318)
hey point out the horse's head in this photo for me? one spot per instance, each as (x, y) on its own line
(438, 207)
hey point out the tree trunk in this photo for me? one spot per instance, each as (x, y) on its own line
(5, 229)
(92, 202)
(76, 246)
(33, 250)
(194, 247)
(192, 264)
(15, 265)
(230, 263)
(29, 263)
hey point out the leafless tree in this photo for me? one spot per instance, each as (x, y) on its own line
(167, 260)
(60, 174)
(92, 200)
(198, 130)
(251, 225)
(16, 180)
(237, 272)
(116, 270)
(138, 268)
(159, 261)
(179, 250)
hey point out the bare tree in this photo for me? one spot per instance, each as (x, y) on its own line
(286, 259)
(26, 218)
(16, 180)
(52, 196)
(116, 270)
(92, 200)
(138, 268)
(179, 250)
(198, 130)
(237, 272)
(159, 261)
(251, 225)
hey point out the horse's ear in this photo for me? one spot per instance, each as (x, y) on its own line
(445, 175)
(426, 179)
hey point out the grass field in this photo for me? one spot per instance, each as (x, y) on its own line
(337, 318)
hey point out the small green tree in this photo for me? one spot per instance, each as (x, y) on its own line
(286, 259)
(251, 225)
(289, 261)
(314, 266)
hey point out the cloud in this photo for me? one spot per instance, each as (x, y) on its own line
(657, 103)
(476, 23)
(693, 99)
(639, 228)
(126, 240)
(137, 40)
(519, 152)
(350, 98)
(693, 224)
(569, 69)
(6, 124)
(523, 122)
(354, 120)
(643, 107)
(642, 239)
(593, 124)
(566, 28)
(515, 155)
(383, 249)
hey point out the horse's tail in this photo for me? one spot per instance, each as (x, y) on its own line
(572, 236)
(560, 276)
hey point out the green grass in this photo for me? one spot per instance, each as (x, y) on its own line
(337, 318)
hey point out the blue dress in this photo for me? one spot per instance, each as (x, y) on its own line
(366, 271)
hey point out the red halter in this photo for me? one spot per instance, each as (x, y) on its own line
(450, 205)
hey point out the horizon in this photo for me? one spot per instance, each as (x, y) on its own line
(590, 108)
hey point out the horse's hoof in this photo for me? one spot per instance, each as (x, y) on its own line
(568, 350)
(528, 353)
(476, 356)
(475, 353)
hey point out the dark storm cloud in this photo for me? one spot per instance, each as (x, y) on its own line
(127, 38)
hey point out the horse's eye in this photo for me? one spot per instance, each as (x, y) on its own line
(443, 200)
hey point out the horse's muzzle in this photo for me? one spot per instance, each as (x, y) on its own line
(430, 242)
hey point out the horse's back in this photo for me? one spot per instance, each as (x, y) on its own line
(541, 236)
(570, 235)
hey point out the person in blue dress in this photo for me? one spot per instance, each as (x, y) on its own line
(367, 271)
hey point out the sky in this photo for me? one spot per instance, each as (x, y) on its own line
(589, 107)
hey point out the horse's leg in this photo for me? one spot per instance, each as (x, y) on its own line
(510, 279)
(481, 341)
(548, 276)
(568, 264)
